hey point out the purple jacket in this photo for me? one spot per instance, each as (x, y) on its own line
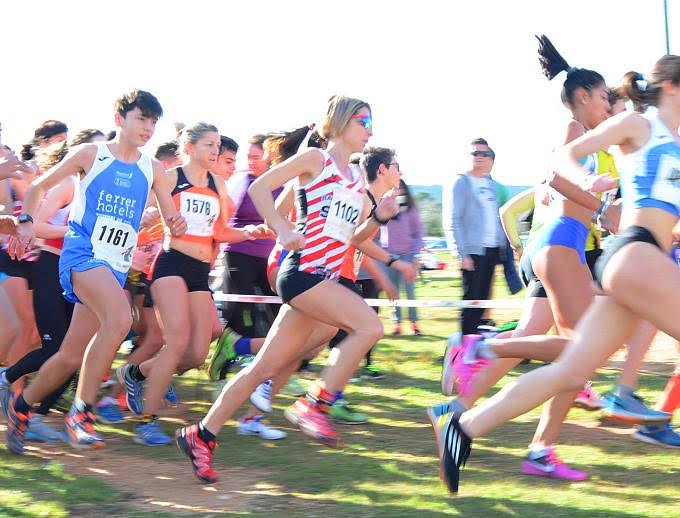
(404, 234)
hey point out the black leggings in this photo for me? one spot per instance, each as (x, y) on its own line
(247, 275)
(52, 316)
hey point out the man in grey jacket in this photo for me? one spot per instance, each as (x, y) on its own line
(471, 220)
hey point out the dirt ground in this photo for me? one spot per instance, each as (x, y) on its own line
(165, 485)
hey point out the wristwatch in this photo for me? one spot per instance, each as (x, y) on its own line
(374, 215)
(393, 257)
(25, 218)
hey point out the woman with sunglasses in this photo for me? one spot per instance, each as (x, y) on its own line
(636, 272)
(557, 257)
(332, 212)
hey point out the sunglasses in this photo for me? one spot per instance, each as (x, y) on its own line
(365, 120)
(485, 154)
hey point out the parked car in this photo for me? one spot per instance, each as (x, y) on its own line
(429, 261)
(435, 243)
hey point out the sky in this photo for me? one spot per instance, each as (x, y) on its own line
(436, 73)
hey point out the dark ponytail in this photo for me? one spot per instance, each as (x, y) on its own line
(552, 63)
(646, 92)
(282, 146)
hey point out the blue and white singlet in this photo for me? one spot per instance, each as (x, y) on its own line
(650, 177)
(107, 209)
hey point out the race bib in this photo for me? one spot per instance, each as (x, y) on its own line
(667, 184)
(113, 242)
(200, 212)
(343, 214)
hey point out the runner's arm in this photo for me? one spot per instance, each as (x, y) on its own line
(510, 212)
(162, 190)
(57, 197)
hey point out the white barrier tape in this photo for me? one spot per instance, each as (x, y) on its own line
(497, 304)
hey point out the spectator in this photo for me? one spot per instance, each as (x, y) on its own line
(403, 236)
(470, 217)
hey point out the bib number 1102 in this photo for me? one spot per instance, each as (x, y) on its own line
(346, 212)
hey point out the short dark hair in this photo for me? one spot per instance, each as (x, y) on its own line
(258, 140)
(479, 141)
(228, 144)
(167, 150)
(372, 158)
(146, 102)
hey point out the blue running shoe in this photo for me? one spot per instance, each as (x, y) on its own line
(150, 434)
(109, 414)
(39, 431)
(17, 422)
(662, 435)
(171, 395)
(134, 390)
(632, 409)
(79, 427)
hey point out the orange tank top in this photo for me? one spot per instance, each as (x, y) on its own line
(200, 207)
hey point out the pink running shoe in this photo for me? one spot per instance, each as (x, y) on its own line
(448, 374)
(550, 465)
(466, 365)
(588, 399)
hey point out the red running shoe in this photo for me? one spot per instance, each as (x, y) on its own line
(199, 452)
(314, 423)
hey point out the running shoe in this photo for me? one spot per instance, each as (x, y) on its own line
(662, 435)
(466, 364)
(551, 466)
(508, 326)
(372, 372)
(171, 397)
(314, 423)
(294, 387)
(5, 398)
(453, 444)
(261, 397)
(397, 330)
(134, 390)
(17, 422)
(224, 353)
(150, 434)
(415, 329)
(199, 452)
(632, 409)
(452, 350)
(342, 413)
(79, 427)
(38, 430)
(256, 426)
(487, 331)
(109, 414)
(588, 399)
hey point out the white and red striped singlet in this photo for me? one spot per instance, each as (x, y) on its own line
(323, 255)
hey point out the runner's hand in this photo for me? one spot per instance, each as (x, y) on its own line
(8, 225)
(177, 225)
(21, 241)
(600, 183)
(12, 167)
(388, 206)
(407, 269)
(291, 240)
